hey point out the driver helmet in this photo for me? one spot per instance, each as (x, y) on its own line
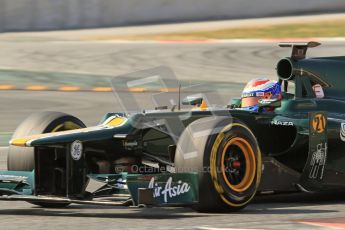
(257, 89)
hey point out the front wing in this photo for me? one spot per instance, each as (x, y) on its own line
(110, 189)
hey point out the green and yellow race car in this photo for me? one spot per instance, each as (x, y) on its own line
(209, 158)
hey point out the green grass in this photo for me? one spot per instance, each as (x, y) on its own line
(307, 30)
(325, 29)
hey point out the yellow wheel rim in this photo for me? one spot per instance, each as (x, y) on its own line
(248, 159)
(68, 125)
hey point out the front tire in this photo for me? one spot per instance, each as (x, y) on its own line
(22, 158)
(227, 158)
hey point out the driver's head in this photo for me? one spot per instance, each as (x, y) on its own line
(260, 88)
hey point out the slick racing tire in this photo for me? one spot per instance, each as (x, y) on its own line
(226, 156)
(22, 158)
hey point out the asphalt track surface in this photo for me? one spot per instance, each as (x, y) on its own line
(210, 62)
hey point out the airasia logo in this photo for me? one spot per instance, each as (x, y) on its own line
(168, 191)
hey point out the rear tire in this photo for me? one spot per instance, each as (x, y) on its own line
(22, 158)
(227, 157)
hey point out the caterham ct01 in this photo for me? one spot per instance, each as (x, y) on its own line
(207, 158)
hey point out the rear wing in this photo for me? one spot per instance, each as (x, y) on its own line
(299, 49)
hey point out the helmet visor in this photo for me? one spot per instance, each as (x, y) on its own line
(249, 101)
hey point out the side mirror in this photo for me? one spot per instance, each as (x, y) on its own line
(234, 103)
(190, 100)
(269, 103)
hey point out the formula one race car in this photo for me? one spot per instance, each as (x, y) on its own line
(207, 158)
